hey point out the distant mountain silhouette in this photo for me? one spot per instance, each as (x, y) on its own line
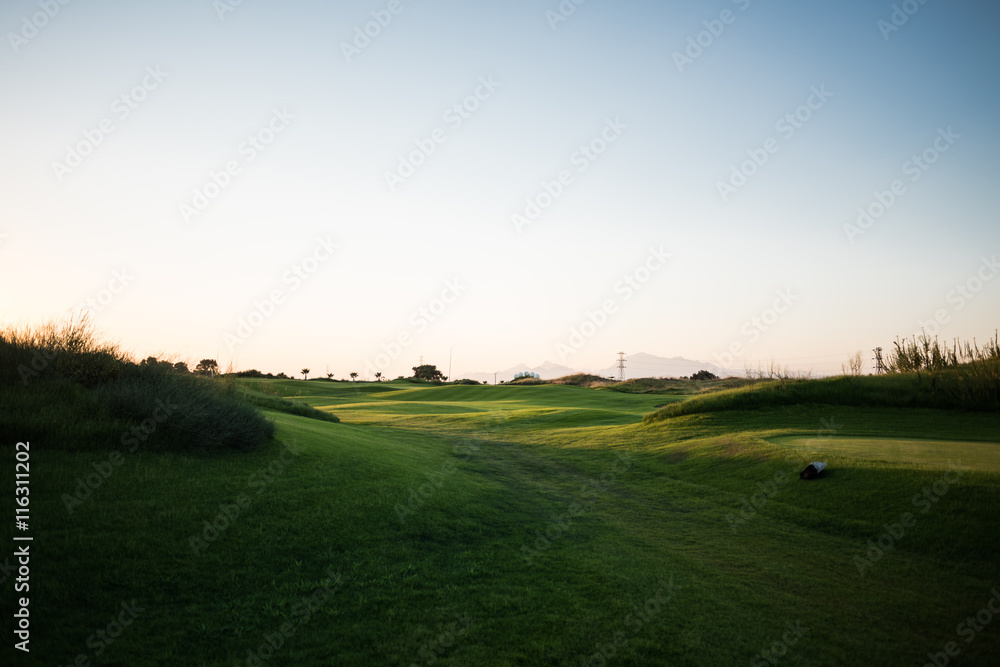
(638, 365)
(643, 365)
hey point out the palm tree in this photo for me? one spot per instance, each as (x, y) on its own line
(305, 373)
(329, 376)
(354, 376)
(378, 376)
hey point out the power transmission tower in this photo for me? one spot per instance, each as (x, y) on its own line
(621, 366)
(879, 366)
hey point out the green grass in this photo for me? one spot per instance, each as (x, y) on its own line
(69, 390)
(963, 388)
(924, 453)
(333, 513)
(280, 404)
(685, 387)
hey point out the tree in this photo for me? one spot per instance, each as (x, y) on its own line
(704, 375)
(181, 367)
(207, 367)
(153, 362)
(378, 376)
(329, 376)
(305, 373)
(854, 363)
(354, 376)
(427, 372)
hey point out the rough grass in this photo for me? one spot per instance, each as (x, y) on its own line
(279, 404)
(957, 388)
(675, 386)
(70, 389)
(582, 380)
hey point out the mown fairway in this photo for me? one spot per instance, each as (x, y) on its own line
(479, 525)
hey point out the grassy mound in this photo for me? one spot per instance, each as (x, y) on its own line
(71, 390)
(280, 404)
(582, 380)
(675, 386)
(528, 381)
(963, 387)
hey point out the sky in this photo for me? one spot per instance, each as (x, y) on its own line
(354, 186)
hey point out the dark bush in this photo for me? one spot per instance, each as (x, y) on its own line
(186, 410)
(91, 394)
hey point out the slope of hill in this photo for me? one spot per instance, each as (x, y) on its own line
(436, 523)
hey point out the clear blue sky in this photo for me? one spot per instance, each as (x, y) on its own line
(831, 104)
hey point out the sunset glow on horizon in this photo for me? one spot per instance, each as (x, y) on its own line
(357, 186)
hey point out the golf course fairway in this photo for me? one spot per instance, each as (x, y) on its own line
(523, 525)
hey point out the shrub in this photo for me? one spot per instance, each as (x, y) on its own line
(92, 392)
(70, 350)
(188, 410)
(582, 380)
